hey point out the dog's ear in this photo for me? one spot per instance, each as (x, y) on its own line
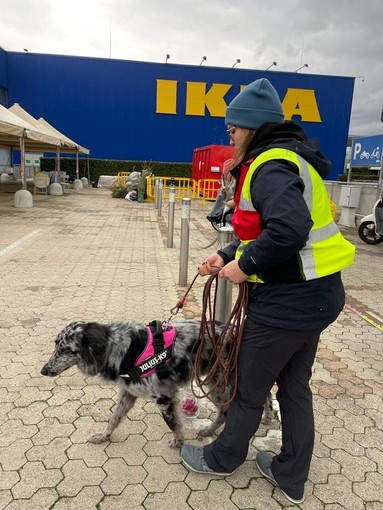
(94, 344)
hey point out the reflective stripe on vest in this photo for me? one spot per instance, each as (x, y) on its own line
(326, 250)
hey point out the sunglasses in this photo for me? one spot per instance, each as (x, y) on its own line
(230, 131)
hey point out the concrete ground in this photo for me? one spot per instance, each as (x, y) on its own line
(89, 256)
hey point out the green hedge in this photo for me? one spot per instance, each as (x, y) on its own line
(99, 167)
(360, 173)
(358, 177)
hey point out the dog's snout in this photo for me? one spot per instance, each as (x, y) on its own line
(45, 371)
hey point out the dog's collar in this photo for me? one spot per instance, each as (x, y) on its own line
(156, 355)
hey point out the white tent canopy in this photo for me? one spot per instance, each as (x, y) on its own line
(16, 133)
(27, 117)
(13, 128)
(66, 145)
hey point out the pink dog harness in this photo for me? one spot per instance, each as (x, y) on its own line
(156, 355)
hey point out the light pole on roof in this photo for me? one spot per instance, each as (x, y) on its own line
(299, 68)
(271, 65)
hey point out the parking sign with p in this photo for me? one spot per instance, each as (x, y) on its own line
(367, 151)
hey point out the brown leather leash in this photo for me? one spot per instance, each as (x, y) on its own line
(223, 360)
(181, 301)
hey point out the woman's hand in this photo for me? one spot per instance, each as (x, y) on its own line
(232, 273)
(211, 265)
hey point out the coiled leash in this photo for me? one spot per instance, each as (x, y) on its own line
(223, 359)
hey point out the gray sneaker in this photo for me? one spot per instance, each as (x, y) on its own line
(192, 457)
(263, 461)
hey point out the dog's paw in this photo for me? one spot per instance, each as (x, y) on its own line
(175, 443)
(98, 438)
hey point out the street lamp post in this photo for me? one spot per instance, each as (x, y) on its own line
(203, 60)
(238, 61)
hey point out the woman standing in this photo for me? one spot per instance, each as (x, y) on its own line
(291, 253)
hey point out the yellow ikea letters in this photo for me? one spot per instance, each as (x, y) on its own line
(199, 99)
(301, 102)
(166, 96)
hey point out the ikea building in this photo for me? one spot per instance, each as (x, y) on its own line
(129, 110)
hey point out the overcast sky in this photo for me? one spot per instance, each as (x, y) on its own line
(335, 37)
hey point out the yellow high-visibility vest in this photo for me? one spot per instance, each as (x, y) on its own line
(326, 250)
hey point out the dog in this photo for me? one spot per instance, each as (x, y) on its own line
(112, 349)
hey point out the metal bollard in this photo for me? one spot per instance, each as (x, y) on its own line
(223, 301)
(184, 244)
(156, 188)
(172, 201)
(160, 193)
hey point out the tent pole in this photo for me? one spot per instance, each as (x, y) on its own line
(87, 160)
(77, 166)
(22, 163)
(58, 160)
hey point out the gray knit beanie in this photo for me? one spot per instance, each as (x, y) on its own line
(257, 103)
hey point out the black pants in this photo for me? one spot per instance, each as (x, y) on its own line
(270, 355)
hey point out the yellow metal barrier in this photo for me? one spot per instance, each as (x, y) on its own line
(150, 189)
(185, 187)
(207, 189)
(122, 178)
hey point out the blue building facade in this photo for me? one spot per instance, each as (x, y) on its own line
(161, 112)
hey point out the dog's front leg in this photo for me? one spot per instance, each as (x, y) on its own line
(168, 407)
(124, 404)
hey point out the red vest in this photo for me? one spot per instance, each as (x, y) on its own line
(246, 224)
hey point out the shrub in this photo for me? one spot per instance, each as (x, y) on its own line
(119, 191)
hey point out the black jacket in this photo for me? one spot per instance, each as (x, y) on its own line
(285, 299)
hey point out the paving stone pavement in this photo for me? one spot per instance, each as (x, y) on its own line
(91, 257)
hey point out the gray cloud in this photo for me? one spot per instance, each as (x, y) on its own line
(339, 37)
